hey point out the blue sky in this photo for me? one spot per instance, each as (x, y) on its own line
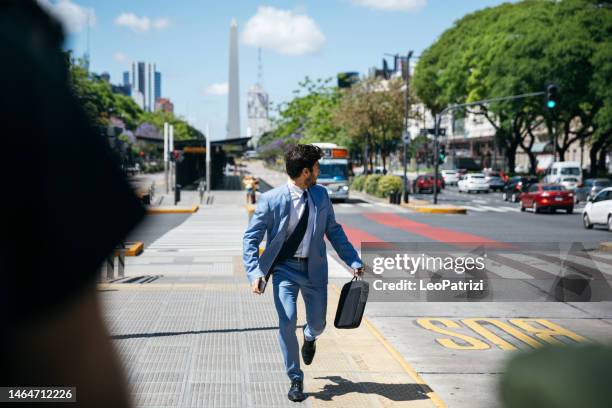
(188, 40)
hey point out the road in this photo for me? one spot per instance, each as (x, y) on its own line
(460, 348)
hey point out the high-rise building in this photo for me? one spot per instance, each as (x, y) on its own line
(126, 78)
(233, 100)
(145, 84)
(157, 85)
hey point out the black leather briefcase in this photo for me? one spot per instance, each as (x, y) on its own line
(352, 303)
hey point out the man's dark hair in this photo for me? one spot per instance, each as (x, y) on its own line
(301, 156)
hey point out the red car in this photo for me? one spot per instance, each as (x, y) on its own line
(426, 182)
(547, 197)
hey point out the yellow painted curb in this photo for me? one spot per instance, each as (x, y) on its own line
(435, 399)
(173, 210)
(134, 249)
(438, 210)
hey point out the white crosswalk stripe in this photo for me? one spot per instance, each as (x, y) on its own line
(473, 208)
(470, 208)
(494, 209)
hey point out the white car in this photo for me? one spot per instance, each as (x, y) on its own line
(521, 168)
(451, 177)
(598, 210)
(570, 183)
(473, 182)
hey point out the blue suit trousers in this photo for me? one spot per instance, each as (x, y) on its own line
(288, 278)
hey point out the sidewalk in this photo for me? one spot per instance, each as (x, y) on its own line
(194, 335)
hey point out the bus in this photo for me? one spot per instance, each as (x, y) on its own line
(334, 170)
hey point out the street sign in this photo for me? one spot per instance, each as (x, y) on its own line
(406, 137)
(432, 131)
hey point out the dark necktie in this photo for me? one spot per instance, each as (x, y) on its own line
(293, 242)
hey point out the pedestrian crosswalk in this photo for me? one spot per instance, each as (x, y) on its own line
(489, 208)
(474, 207)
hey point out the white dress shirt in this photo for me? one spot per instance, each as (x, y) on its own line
(295, 212)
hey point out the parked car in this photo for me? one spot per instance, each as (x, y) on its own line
(521, 168)
(590, 188)
(473, 182)
(450, 177)
(515, 186)
(557, 170)
(251, 154)
(570, 183)
(425, 182)
(496, 183)
(549, 197)
(598, 210)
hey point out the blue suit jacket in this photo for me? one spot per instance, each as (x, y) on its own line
(272, 217)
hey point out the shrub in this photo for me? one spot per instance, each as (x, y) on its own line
(388, 184)
(358, 183)
(371, 183)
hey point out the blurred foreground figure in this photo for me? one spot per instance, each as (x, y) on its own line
(559, 377)
(65, 205)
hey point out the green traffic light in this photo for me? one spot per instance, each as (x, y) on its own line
(551, 104)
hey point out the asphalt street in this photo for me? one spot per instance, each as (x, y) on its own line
(460, 348)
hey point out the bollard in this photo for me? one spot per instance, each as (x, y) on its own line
(110, 267)
(177, 193)
(121, 262)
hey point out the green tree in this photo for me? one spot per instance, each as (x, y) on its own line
(371, 113)
(308, 117)
(519, 48)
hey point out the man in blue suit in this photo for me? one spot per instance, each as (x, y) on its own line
(295, 217)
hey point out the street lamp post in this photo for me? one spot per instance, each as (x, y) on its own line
(405, 133)
(406, 136)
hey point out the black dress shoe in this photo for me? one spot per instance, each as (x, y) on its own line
(296, 392)
(308, 351)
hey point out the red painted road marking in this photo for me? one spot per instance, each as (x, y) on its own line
(435, 233)
(357, 236)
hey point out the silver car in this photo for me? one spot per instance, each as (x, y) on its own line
(591, 187)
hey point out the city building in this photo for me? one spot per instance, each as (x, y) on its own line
(258, 119)
(164, 105)
(145, 84)
(233, 100)
(257, 108)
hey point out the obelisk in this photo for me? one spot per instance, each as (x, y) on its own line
(233, 100)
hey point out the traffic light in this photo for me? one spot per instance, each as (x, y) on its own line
(551, 96)
(442, 154)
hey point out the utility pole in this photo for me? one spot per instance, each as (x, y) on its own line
(208, 154)
(405, 133)
(166, 132)
(437, 119)
(172, 165)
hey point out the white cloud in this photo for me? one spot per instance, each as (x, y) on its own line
(283, 31)
(218, 89)
(393, 5)
(72, 16)
(161, 23)
(121, 57)
(141, 24)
